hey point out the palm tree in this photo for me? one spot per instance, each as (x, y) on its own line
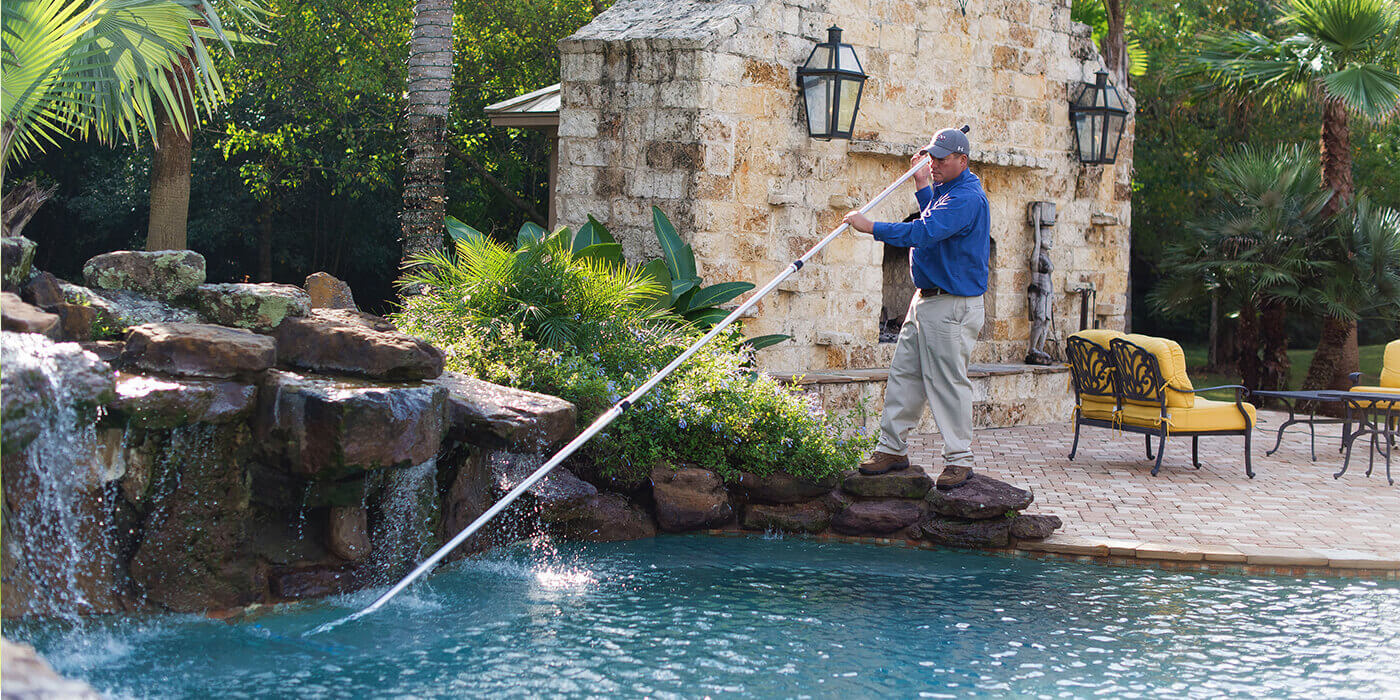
(1342, 53)
(1259, 248)
(429, 96)
(100, 68)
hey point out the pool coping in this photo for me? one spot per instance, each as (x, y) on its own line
(1238, 559)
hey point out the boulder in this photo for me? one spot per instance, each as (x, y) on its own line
(329, 428)
(909, 483)
(198, 350)
(1034, 527)
(810, 517)
(118, 310)
(351, 342)
(880, 517)
(781, 487)
(16, 260)
(166, 402)
(288, 493)
(19, 317)
(956, 532)
(557, 490)
(689, 499)
(602, 517)
(327, 292)
(75, 321)
(347, 534)
(979, 498)
(491, 415)
(29, 677)
(163, 274)
(39, 379)
(473, 490)
(312, 582)
(43, 290)
(256, 307)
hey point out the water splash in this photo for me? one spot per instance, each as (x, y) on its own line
(59, 520)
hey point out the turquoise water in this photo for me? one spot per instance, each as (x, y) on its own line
(695, 616)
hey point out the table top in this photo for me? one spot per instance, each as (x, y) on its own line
(1366, 396)
(1312, 395)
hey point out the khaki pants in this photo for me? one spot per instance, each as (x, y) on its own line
(930, 366)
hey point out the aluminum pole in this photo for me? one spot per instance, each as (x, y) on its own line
(612, 413)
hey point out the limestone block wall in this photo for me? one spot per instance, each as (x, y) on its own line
(692, 106)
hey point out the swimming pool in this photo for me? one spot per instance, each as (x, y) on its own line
(694, 616)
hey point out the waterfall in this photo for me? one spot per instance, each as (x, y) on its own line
(58, 515)
(406, 523)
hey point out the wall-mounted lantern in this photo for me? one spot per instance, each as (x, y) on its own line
(831, 82)
(1098, 116)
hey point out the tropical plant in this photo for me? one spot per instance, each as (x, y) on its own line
(1259, 248)
(107, 69)
(1362, 282)
(1342, 53)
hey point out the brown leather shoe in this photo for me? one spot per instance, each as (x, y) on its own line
(883, 462)
(953, 476)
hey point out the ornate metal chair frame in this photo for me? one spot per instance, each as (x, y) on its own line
(1092, 370)
(1138, 377)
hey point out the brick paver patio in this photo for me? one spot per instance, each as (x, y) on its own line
(1107, 492)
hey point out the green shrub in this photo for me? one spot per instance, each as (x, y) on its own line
(587, 331)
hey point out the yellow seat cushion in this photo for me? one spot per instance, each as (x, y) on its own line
(1379, 390)
(1091, 407)
(1205, 415)
(1390, 365)
(1171, 361)
(1098, 336)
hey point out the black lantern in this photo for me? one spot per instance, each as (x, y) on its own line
(1098, 116)
(831, 81)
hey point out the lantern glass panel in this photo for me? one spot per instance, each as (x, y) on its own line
(850, 98)
(1087, 128)
(817, 92)
(1112, 135)
(846, 59)
(820, 58)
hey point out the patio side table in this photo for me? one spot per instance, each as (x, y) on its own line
(1377, 415)
(1291, 399)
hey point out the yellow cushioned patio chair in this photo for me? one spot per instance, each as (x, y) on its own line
(1155, 397)
(1390, 373)
(1091, 371)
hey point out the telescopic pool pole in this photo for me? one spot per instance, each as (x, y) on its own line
(612, 413)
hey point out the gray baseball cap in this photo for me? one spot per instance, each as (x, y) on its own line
(949, 141)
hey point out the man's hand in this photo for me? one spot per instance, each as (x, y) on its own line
(923, 176)
(859, 222)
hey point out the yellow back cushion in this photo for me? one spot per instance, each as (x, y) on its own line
(1390, 365)
(1171, 362)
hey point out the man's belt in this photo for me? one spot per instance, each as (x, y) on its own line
(931, 292)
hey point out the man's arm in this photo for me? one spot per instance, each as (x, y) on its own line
(951, 216)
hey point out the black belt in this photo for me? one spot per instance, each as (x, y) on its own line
(931, 291)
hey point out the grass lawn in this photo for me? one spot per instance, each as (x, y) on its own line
(1196, 358)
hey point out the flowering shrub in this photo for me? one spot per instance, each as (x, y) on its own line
(714, 412)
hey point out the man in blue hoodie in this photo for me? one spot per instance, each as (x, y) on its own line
(950, 244)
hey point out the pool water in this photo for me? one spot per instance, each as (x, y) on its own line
(696, 616)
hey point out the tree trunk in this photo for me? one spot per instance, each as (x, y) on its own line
(1335, 353)
(1213, 335)
(1115, 44)
(170, 187)
(1248, 344)
(1336, 155)
(429, 95)
(1274, 370)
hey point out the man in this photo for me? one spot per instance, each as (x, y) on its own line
(949, 245)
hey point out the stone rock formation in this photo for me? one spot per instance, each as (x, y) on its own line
(513, 419)
(256, 307)
(689, 499)
(603, 517)
(29, 677)
(328, 292)
(979, 498)
(24, 318)
(880, 517)
(808, 517)
(166, 402)
(37, 376)
(16, 261)
(780, 487)
(163, 274)
(351, 342)
(198, 350)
